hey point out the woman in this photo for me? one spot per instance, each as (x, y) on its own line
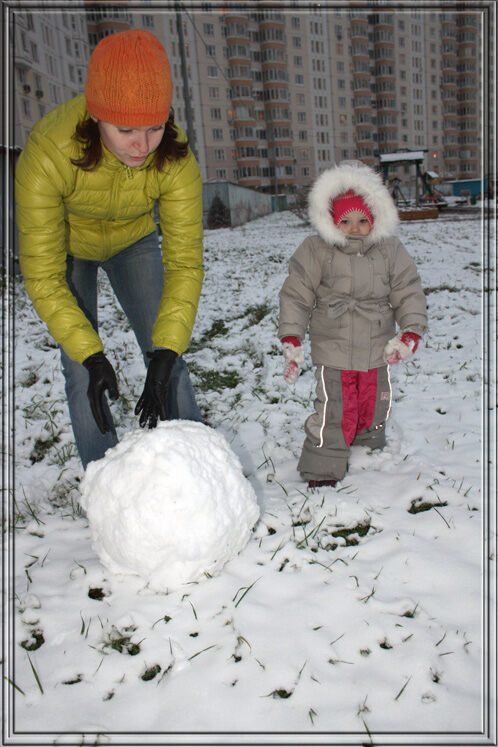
(86, 184)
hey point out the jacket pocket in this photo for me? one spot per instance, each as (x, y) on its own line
(325, 325)
(384, 324)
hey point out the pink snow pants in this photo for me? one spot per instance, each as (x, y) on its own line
(351, 408)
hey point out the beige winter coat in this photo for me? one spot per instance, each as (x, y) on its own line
(351, 290)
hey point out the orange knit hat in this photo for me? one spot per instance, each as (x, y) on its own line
(129, 80)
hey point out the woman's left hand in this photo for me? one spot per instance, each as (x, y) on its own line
(152, 403)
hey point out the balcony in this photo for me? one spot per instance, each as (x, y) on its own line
(23, 60)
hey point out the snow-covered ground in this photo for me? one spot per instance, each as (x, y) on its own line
(354, 615)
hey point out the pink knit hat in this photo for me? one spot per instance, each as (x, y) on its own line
(346, 203)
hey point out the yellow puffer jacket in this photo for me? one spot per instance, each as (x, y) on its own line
(63, 210)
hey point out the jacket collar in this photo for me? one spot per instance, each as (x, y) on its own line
(356, 244)
(114, 163)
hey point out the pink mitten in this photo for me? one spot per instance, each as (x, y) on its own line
(294, 358)
(401, 348)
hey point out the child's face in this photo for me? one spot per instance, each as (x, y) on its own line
(355, 224)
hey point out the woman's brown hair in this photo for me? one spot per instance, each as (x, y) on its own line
(87, 133)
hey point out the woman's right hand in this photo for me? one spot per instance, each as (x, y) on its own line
(102, 377)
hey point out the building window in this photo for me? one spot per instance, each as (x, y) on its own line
(54, 93)
(299, 80)
(26, 108)
(148, 22)
(34, 52)
(217, 133)
(47, 35)
(221, 173)
(216, 113)
(219, 154)
(212, 71)
(208, 29)
(52, 65)
(210, 50)
(296, 41)
(295, 22)
(214, 93)
(298, 60)
(305, 171)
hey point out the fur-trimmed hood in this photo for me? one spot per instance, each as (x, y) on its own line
(365, 182)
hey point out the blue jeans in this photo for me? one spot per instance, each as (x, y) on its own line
(136, 276)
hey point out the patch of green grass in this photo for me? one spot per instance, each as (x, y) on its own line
(281, 693)
(150, 673)
(255, 314)
(217, 329)
(121, 642)
(218, 380)
(30, 379)
(41, 447)
(360, 529)
(418, 505)
(74, 681)
(33, 643)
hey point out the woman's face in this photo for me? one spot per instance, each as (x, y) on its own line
(131, 145)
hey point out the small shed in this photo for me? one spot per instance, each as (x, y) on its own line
(241, 203)
(474, 187)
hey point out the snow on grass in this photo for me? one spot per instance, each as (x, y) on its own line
(356, 609)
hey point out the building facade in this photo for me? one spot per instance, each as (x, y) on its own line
(278, 95)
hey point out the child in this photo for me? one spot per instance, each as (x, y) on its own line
(352, 282)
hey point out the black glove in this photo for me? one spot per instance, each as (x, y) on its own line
(102, 377)
(153, 400)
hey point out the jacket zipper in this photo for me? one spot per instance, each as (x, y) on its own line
(114, 189)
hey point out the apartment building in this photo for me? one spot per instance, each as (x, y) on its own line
(50, 55)
(277, 95)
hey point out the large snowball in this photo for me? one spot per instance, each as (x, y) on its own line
(169, 504)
